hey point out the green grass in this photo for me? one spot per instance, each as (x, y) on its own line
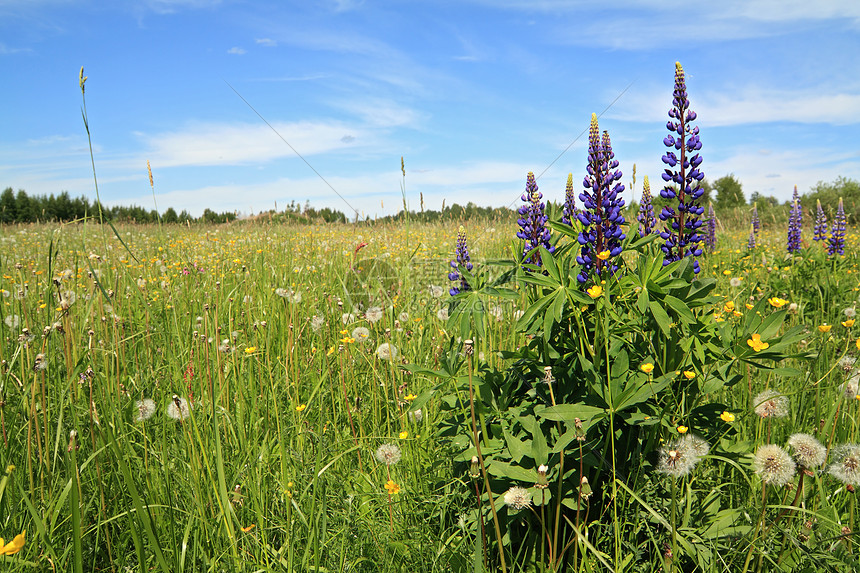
(274, 468)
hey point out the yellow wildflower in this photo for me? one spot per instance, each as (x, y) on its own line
(251, 350)
(727, 416)
(756, 343)
(682, 429)
(689, 374)
(603, 255)
(13, 546)
(404, 434)
(824, 327)
(410, 397)
(392, 487)
(301, 407)
(647, 368)
(729, 306)
(777, 302)
(595, 291)
(848, 323)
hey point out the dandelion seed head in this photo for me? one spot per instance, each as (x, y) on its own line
(178, 409)
(774, 465)
(771, 404)
(373, 315)
(808, 452)
(846, 467)
(518, 498)
(388, 454)
(360, 334)
(386, 351)
(144, 409)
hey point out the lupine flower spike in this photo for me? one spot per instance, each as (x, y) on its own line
(601, 214)
(756, 222)
(819, 232)
(532, 222)
(836, 245)
(646, 218)
(683, 179)
(751, 242)
(569, 213)
(795, 221)
(461, 254)
(711, 237)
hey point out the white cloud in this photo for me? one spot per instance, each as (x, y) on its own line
(268, 42)
(236, 51)
(746, 106)
(243, 143)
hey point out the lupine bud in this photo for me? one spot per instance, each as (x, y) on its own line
(646, 218)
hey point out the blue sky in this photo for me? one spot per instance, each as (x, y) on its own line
(474, 94)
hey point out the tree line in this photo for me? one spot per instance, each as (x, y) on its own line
(23, 208)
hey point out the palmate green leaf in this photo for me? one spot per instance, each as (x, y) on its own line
(680, 308)
(568, 413)
(638, 390)
(529, 322)
(501, 469)
(660, 315)
(517, 447)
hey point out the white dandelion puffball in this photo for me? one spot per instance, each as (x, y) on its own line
(386, 351)
(178, 409)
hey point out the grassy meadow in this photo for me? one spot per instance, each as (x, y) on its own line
(261, 397)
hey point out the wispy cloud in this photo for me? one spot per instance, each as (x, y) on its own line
(268, 42)
(236, 51)
(243, 143)
(748, 106)
(173, 6)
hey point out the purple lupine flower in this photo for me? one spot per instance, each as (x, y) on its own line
(683, 179)
(532, 221)
(711, 236)
(461, 259)
(820, 231)
(836, 245)
(795, 218)
(646, 218)
(569, 212)
(601, 214)
(796, 197)
(751, 241)
(756, 222)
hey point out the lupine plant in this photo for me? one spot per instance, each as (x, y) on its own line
(569, 212)
(532, 222)
(756, 221)
(601, 236)
(461, 261)
(836, 245)
(683, 179)
(751, 241)
(795, 225)
(711, 237)
(819, 232)
(646, 218)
